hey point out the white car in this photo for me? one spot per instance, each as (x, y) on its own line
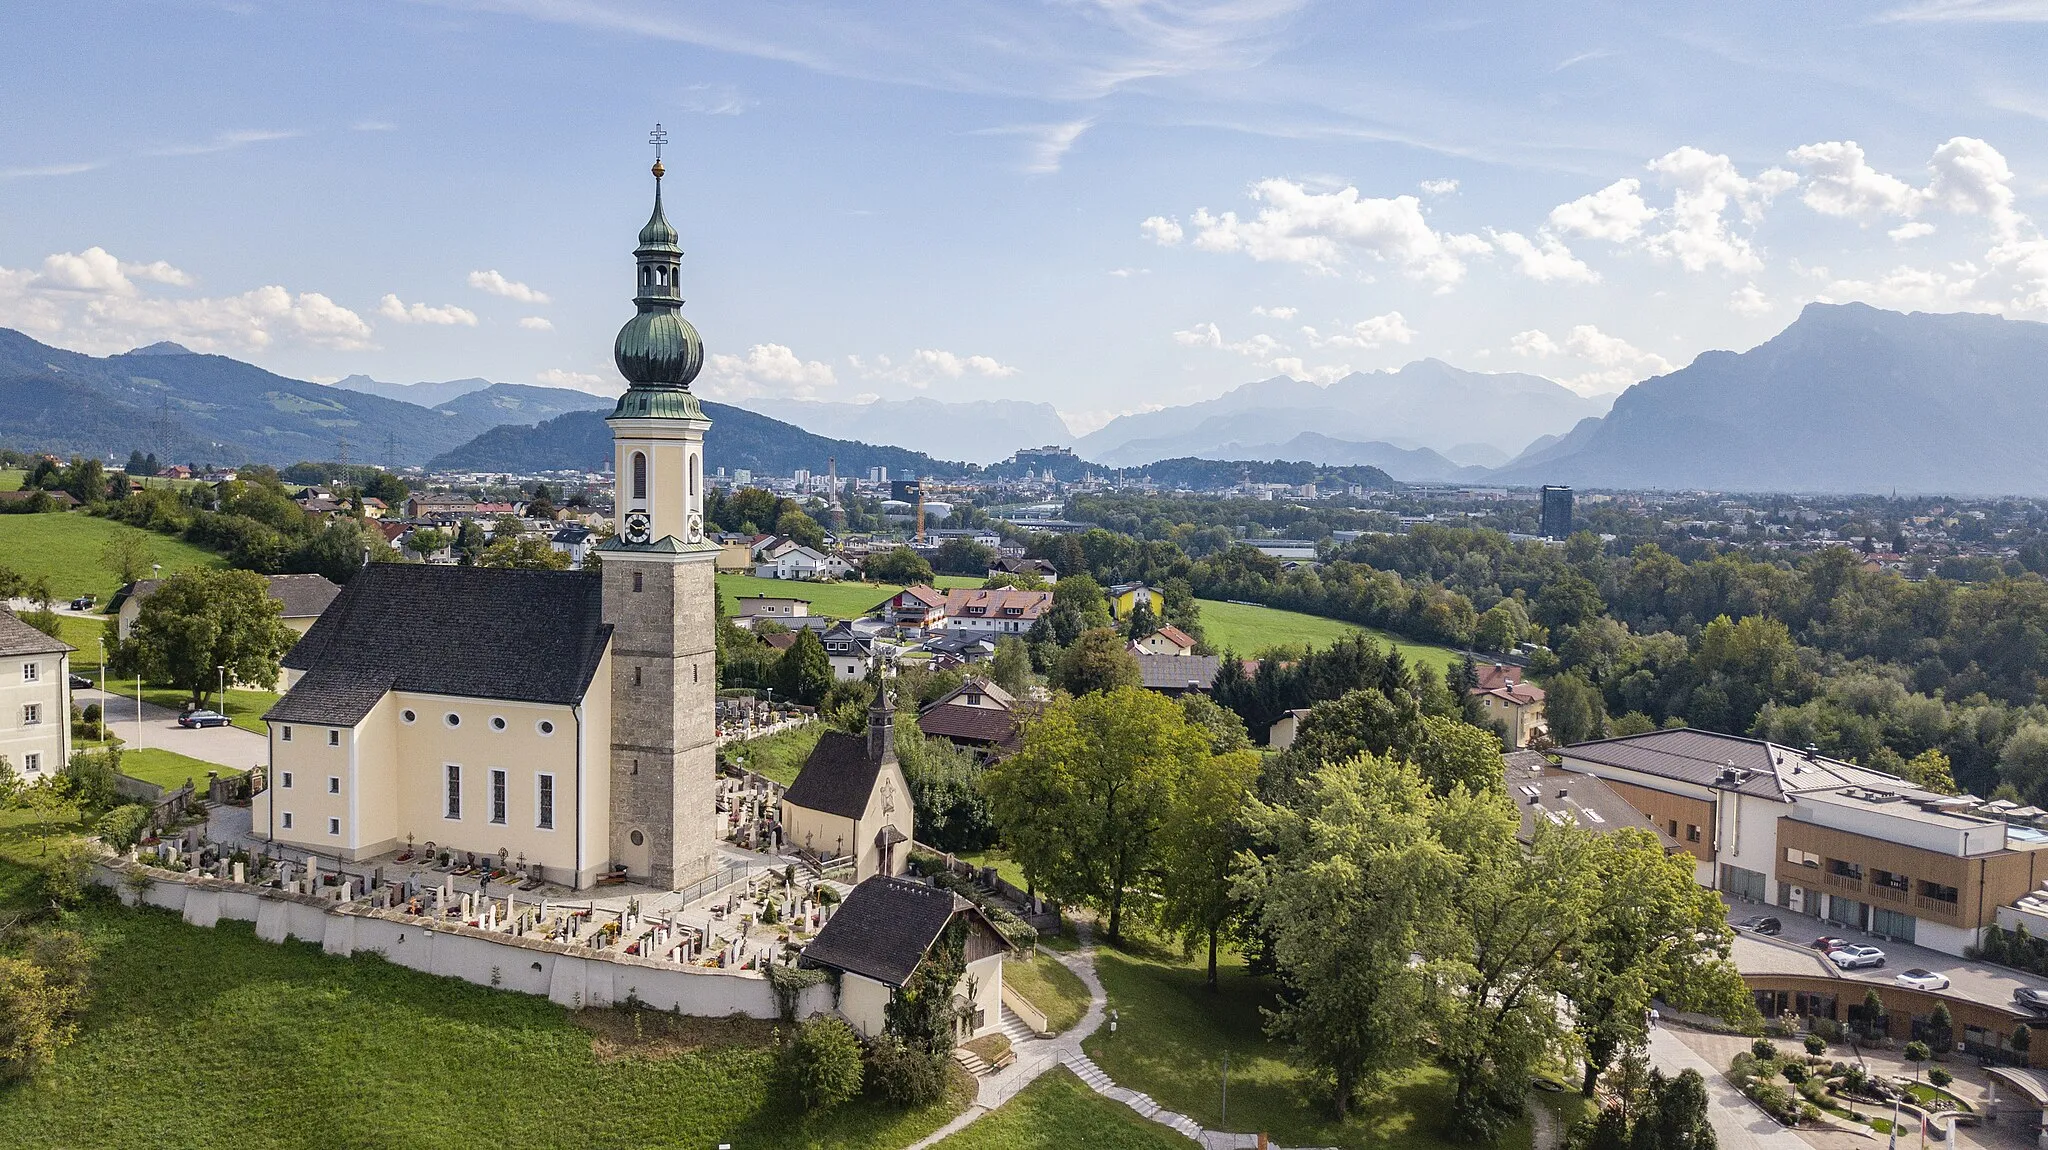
(1920, 978)
(1852, 956)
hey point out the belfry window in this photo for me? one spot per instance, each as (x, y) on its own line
(639, 475)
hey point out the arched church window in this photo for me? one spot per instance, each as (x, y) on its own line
(694, 468)
(639, 475)
(646, 277)
(661, 276)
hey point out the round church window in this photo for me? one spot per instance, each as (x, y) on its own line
(408, 716)
(452, 719)
(497, 722)
(544, 727)
(638, 838)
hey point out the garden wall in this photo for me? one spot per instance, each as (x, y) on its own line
(572, 976)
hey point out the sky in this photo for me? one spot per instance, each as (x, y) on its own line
(1106, 205)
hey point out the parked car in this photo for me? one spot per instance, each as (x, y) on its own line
(1920, 978)
(83, 602)
(203, 719)
(2027, 998)
(1850, 957)
(79, 682)
(1761, 924)
(1829, 942)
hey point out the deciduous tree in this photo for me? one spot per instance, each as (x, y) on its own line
(1199, 845)
(202, 620)
(1098, 661)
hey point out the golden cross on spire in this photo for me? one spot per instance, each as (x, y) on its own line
(657, 137)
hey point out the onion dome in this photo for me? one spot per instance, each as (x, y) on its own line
(658, 349)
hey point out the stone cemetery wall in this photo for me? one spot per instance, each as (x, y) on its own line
(570, 975)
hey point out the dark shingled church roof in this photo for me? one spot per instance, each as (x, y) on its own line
(837, 778)
(884, 928)
(469, 632)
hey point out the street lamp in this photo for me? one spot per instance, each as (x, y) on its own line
(223, 678)
(103, 688)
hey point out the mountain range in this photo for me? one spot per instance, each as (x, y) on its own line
(580, 440)
(1849, 398)
(480, 399)
(1463, 417)
(979, 431)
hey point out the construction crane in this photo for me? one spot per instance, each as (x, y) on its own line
(838, 512)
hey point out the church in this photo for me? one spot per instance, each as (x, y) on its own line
(558, 719)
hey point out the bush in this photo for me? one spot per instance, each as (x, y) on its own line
(1776, 1101)
(1940, 1076)
(925, 864)
(905, 1076)
(122, 827)
(1816, 1045)
(1764, 1050)
(821, 1062)
(1794, 1072)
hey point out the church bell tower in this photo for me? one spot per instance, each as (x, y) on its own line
(658, 582)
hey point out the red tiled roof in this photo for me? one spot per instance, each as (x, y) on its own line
(969, 724)
(1176, 636)
(999, 603)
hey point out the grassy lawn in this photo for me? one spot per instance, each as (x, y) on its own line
(1056, 1113)
(1250, 630)
(832, 600)
(11, 477)
(1049, 986)
(66, 547)
(1173, 1032)
(169, 769)
(212, 1038)
(778, 756)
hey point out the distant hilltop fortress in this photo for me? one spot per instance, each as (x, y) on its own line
(562, 717)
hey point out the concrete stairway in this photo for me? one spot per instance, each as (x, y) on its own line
(1015, 1028)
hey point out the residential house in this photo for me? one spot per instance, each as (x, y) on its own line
(851, 799)
(35, 699)
(851, 654)
(949, 649)
(918, 606)
(1178, 674)
(1040, 569)
(1001, 611)
(889, 927)
(1281, 734)
(56, 500)
(573, 540)
(735, 555)
(1507, 698)
(375, 508)
(304, 598)
(1125, 597)
(1168, 640)
(978, 715)
(799, 562)
(1861, 849)
(777, 607)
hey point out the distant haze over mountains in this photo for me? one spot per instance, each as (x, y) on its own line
(978, 431)
(1430, 405)
(1849, 398)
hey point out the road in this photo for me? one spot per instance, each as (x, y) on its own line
(158, 728)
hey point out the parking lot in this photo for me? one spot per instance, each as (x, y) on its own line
(1792, 953)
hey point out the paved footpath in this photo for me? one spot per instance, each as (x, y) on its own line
(158, 728)
(1039, 1055)
(1738, 1124)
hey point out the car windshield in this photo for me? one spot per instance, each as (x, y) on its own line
(1916, 972)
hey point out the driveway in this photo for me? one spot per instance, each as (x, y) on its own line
(158, 728)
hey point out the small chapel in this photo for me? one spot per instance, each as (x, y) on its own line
(562, 719)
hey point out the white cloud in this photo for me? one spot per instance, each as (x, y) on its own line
(1973, 11)
(1972, 178)
(1615, 213)
(1294, 368)
(1706, 186)
(1910, 288)
(33, 170)
(1161, 230)
(1911, 230)
(537, 323)
(1048, 143)
(225, 142)
(1273, 312)
(1748, 300)
(1544, 258)
(373, 126)
(1841, 182)
(1374, 332)
(1439, 187)
(1616, 362)
(1322, 229)
(496, 284)
(1208, 335)
(580, 380)
(1127, 273)
(715, 100)
(768, 369)
(94, 302)
(397, 310)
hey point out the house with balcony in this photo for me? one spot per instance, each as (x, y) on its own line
(1864, 850)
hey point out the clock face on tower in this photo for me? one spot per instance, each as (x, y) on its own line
(637, 527)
